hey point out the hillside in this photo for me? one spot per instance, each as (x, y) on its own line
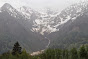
(74, 32)
(12, 29)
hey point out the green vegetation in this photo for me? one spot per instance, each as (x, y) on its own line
(81, 53)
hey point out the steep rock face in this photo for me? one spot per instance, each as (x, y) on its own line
(14, 29)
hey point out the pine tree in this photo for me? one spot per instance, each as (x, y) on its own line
(16, 49)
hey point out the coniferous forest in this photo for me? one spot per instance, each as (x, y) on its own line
(74, 53)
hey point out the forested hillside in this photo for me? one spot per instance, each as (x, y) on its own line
(73, 53)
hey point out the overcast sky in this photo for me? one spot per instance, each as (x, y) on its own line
(38, 4)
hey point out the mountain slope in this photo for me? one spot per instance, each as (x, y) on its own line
(41, 22)
(13, 29)
(26, 26)
(74, 32)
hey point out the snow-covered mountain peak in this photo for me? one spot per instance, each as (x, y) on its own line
(26, 11)
(7, 7)
(48, 21)
(51, 21)
(11, 10)
(72, 12)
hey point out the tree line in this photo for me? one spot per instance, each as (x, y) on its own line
(74, 53)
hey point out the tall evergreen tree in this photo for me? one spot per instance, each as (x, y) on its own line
(16, 49)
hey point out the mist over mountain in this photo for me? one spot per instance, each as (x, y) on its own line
(36, 30)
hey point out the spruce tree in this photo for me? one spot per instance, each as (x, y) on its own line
(16, 49)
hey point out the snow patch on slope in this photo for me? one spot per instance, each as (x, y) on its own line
(67, 19)
(42, 23)
(50, 21)
(25, 11)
